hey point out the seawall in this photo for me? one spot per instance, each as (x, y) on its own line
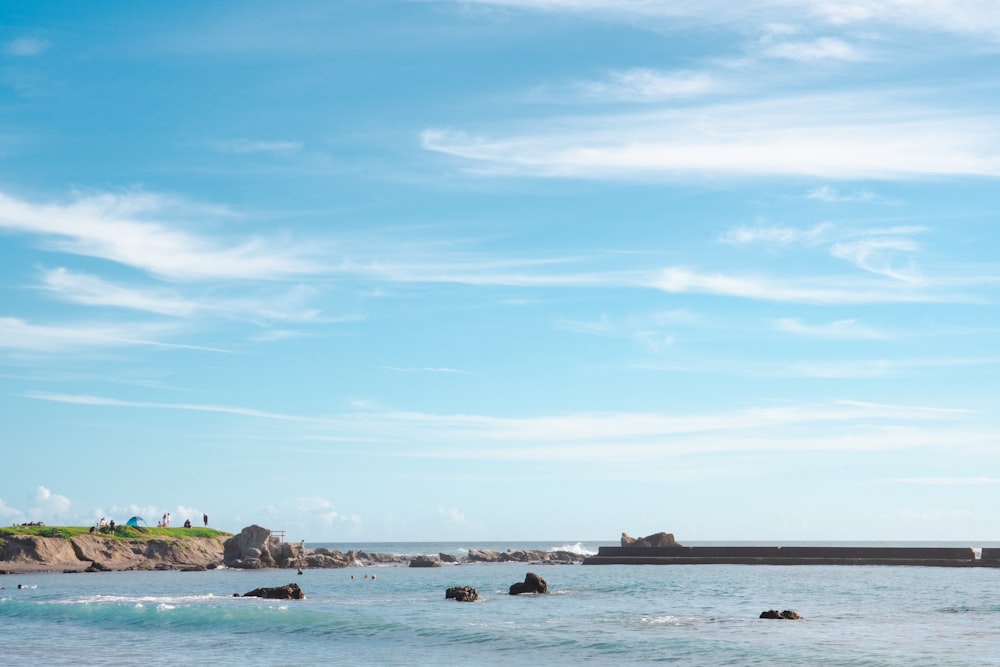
(776, 555)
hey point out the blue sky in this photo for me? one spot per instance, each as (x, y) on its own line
(503, 269)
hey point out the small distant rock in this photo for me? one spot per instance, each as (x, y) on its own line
(447, 558)
(286, 592)
(425, 561)
(532, 584)
(461, 594)
(787, 615)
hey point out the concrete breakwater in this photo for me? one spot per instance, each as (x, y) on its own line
(808, 555)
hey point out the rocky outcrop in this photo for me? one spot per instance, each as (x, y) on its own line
(483, 556)
(461, 594)
(254, 547)
(286, 592)
(425, 561)
(656, 540)
(532, 584)
(96, 553)
(522, 556)
(786, 615)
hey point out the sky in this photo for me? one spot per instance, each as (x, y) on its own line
(388, 270)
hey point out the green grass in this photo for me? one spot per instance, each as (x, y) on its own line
(121, 532)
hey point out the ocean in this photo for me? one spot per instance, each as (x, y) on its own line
(593, 615)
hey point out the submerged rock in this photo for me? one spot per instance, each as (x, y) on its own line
(787, 615)
(532, 584)
(286, 592)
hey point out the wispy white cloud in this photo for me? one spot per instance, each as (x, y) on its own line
(653, 330)
(90, 290)
(145, 231)
(26, 46)
(648, 85)
(877, 250)
(103, 401)
(779, 235)
(278, 334)
(245, 146)
(877, 254)
(977, 18)
(847, 136)
(876, 368)
(424, 369)
(839, 330)
(611, 435)
(825, 48)
(944, 481)
(679, 280)
(830, 194)
(18, 334)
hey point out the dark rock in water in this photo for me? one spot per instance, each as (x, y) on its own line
(447, 558)
(532, 584)
(462, 594)
(194, 568)
(286, 592)
(98, 566)
(425, 561)
(658, 540)
(787, 615)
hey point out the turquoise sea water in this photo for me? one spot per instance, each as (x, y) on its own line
(684, 615)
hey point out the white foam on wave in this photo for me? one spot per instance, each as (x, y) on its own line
(137, 600)
(163, 606)
(662, 620)
(577, 548)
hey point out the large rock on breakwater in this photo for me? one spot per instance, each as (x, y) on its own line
(656, 540)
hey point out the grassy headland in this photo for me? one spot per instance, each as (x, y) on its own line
(122, 532)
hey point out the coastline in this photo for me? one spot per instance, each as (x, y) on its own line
(256, 547)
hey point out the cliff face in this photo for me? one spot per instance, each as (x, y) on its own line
(21, 553)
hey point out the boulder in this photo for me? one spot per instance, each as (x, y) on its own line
(532, 584)
(657, 540)
(447, 558)
(483, 556)
(254, 547)
(787, 615)
(461, 594)
(425, 561)
(286, 592)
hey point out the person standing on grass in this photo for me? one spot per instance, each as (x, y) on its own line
(204, 517)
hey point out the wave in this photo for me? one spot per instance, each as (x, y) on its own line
(577, 548)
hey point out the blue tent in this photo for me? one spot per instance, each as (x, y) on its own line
(134, 521)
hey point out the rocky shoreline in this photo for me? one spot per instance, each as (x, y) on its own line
(253, 548)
